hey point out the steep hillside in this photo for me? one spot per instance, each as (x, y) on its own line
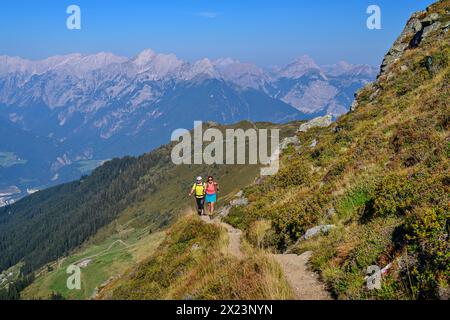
(118, 207)
(374, 185)
(193, 263)
(377, 179)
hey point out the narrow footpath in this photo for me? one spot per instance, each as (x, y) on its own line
(304, 283)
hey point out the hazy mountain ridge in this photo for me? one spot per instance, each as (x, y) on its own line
(104, 75)
(95, 107)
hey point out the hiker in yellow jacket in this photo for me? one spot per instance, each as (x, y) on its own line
(199, 188)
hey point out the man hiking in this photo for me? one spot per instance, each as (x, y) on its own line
(199, 188)
(212, 187)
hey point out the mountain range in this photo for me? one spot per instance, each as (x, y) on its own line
(84, 109)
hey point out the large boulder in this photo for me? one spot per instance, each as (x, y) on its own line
(288, 141)
(239, 202)
(310, 233)
(419, 26)
(320, 122)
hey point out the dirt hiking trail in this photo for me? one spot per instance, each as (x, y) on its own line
(304, 282)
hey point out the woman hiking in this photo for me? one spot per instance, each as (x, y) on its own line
(212, 187)
(200, 190)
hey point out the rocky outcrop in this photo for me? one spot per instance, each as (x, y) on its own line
(418, 28)
(289, 141)
(310, 233)
(239, 202)
(320, 122)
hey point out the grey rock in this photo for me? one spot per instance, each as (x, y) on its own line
(239, 202)
(429, 19)
(444, 293)
(416, 30)
(313, 143)
(288, 141)
(374, 95)
(393, 55)
(239, 194)
(429, 64)
(317, 230)
(319, 122)
(446, 26)
(354, 105)
(195, 247)
(433, 27)
(224, 211)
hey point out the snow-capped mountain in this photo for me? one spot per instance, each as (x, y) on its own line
(94, 107)
(91, 82)
(297, 68)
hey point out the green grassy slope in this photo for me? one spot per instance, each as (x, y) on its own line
(192, 263)
(380, 174)
(162, 190)
(104, 261)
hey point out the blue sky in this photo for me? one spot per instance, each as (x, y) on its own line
(266, 32)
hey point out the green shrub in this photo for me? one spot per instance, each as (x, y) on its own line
(290, 221)
(436, 62)
(427, 236)
(394, 195)
(293, 175)
(238, 218)
(411, 79)
(335, 171)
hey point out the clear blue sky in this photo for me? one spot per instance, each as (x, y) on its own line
(266, 32)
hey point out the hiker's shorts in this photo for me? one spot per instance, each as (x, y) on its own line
(211, 198)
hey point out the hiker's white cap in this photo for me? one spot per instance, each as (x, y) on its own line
(199, 179)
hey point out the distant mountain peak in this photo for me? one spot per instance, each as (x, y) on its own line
(157, 65)
(345, 68)
(203, 67)
(223, 62)
(144, 57)
(298, 67)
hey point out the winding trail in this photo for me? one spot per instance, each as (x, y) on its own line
(234, 235)
(106, 251)
(304, 283)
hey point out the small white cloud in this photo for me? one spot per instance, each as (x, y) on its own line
(207, 14)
